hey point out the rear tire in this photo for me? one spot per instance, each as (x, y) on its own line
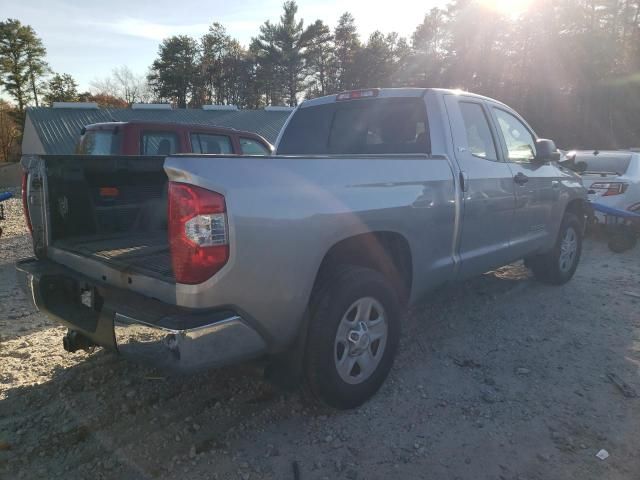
(622, 241)
(558, 266)
(353, 335)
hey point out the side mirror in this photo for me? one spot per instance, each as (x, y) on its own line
(546, 151)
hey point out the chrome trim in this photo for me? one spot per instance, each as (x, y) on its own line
(211, 345)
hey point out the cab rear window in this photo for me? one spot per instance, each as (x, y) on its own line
(376, 126)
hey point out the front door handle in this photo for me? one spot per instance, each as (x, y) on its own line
(521, 178)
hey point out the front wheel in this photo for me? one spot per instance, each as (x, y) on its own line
(559, 265)
(352, 338)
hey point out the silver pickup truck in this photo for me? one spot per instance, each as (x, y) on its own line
(307, 258)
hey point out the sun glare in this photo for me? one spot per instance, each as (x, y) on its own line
(510, 8)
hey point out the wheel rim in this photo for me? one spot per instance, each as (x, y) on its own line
(360, 341)
(568, 250)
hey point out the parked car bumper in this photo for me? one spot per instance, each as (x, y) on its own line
(138, 327)
(616, 201)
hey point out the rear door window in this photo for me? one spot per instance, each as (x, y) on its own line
(159, 143)
(212, 144)
(250, 146)
(100, 142)
(479, 139)
(375, 126)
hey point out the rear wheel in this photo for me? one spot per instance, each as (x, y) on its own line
(352, 338)
(622, 240)
(559, 265)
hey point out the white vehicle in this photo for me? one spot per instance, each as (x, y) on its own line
(612, 178)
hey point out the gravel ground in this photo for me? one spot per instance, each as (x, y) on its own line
(497, 378)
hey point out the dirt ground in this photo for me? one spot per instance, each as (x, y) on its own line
(497, 378)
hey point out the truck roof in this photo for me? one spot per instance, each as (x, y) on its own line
(171, 125)
(394, 92)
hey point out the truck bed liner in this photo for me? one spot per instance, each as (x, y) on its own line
(146, 253)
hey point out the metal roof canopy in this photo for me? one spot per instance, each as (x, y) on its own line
(58, 129)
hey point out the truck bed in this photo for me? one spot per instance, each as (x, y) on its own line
(145, 253)
(109, 209)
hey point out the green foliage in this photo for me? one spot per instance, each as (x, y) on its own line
(226, 70)
(347, 46)
(61, 88)
(9, 133)
(572, 68)
(22, 63)
(321, 62)
(104, 100)
(174, 75)
(284, 54)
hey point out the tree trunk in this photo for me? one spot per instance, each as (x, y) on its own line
(34, 89)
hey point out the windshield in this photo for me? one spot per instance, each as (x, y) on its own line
(386, 125)
(100, 142)
(605, 163)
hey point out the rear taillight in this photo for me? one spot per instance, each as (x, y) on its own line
(198, 235)
(109, 192)
(608, 189)
(25, 200)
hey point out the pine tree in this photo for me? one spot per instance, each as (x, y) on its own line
(174, 74)
(22, 63)
(61, 88)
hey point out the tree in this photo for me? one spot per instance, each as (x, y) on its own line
(36, 65)
(9, 131)
(321, 62)
(347, 46)
(284, 50)
(22, 62)
(61, 88)
(570, 67)
(103, 100)
(174, 74)
(226, 69)
(214, 49)
(123, 84)
(429, 46)
(375, 61)
(268, 73)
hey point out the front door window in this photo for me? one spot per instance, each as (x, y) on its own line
(520, 142)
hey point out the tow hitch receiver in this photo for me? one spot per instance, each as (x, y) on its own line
(74, 341)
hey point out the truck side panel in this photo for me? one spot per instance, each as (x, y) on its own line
(285, 213)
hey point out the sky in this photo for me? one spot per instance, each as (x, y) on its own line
(87, 39)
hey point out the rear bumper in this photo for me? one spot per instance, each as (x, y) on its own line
(138, 327)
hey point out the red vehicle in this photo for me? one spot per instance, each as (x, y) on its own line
(157, 138)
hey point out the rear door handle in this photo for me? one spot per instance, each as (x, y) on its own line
(521, 178)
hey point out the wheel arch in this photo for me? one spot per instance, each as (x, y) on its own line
(580, 208)
(387, 252)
